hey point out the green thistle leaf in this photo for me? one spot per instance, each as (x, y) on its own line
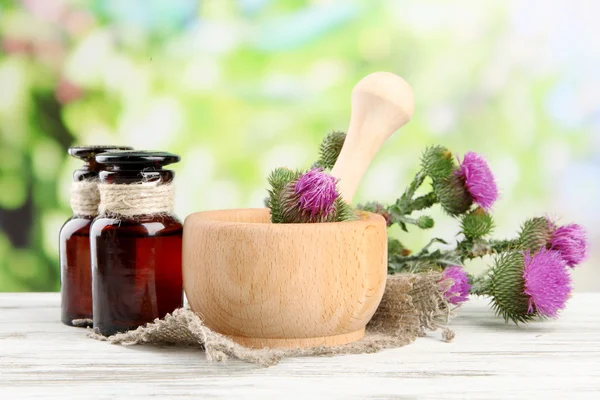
(422, 202)
(506, 286)
(329, 150)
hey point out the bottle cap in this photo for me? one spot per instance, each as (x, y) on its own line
(87, 153)
(137, 158)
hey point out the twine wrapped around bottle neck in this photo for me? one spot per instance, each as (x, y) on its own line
(85, 198)
(136, 199)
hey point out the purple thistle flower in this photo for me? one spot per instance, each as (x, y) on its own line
(479, 180)
(571, 241)
(459, 291)
(547, 282)
(317, 192)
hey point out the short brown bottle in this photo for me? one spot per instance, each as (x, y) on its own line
(74, 242)
(135, 242)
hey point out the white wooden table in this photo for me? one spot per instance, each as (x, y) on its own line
(488, 359)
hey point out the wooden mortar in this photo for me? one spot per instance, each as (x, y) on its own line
(284, 285)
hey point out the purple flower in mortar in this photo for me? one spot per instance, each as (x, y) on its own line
(459, 291)
(571, 241)
(547, 282)
(317, 192)
(479, 180)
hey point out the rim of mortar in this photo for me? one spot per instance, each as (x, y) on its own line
(204, 217)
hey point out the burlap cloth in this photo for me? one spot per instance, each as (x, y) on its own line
(411, 304)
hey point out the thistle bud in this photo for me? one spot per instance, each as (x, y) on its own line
(524, 285)
(310, 197)
(569, 240)
(437, 162)
(507, 288)
(425, 222)
(452, 194)
(477, 224)
(330, 149)
(535, 233)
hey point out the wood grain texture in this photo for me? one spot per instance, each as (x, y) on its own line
(42, 358)
(284, 285)
(381, 103)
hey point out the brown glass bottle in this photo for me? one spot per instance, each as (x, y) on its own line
(74, 244)
(136, 260)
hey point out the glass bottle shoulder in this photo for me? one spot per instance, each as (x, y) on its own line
(76, 226)
(143, 226)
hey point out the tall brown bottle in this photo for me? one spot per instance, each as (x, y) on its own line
(74, 242)
(135, 242)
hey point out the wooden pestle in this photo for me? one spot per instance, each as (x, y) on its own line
(381, 103)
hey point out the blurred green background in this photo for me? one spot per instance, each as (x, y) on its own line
(238, 87)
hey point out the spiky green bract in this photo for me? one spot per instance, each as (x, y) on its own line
(437, 162)
(344, 211)
(535, 233)
(329, 150)
(477, 224)
(452, 194)
(278, 180)
(506, 286)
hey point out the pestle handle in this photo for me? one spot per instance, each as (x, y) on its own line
(381, 103)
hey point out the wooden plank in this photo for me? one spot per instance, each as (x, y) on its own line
(488, 359)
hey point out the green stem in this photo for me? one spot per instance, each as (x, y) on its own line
(403, 207)
(501, 246)
(439, 257)
(425, 250)
(480, 285)
(399, 218)
(469, 249)
(465, 250)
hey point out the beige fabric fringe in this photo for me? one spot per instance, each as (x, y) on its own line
(85, 198)
(411, 304)
(136, 199)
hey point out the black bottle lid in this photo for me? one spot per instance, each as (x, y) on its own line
(87, 153)
(90, 169)
(137, 159)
